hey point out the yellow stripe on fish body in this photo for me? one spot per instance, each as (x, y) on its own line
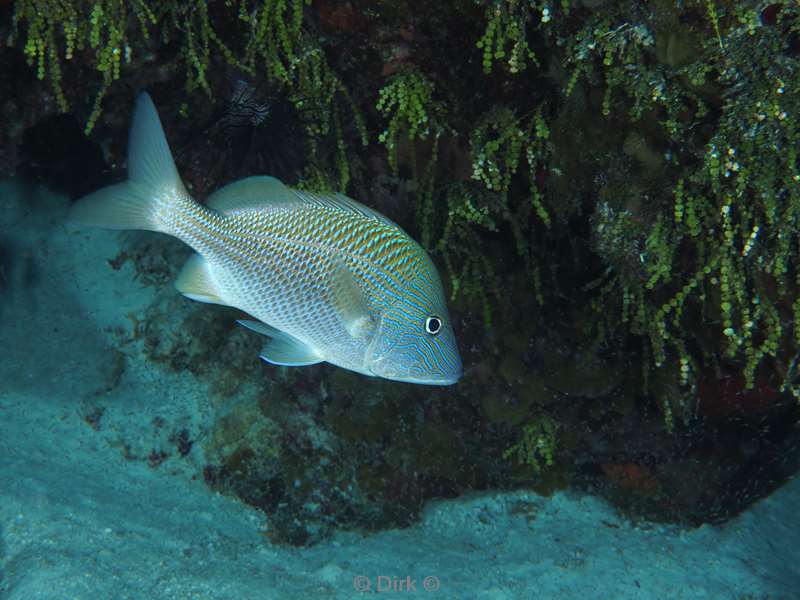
(327, 278)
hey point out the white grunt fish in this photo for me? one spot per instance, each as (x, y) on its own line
(326, 278)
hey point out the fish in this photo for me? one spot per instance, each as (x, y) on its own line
(322, 276)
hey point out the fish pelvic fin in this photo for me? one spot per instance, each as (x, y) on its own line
(153, 180)
(283, 349)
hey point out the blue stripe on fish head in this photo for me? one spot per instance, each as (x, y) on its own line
(415, 340)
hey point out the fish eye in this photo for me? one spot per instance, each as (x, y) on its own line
(433, 324)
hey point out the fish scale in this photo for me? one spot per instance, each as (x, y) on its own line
(324, 277)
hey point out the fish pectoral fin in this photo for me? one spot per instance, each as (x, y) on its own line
(195, 281)
(350, 303)
(283, 349)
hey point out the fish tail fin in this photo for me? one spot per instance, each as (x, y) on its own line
(153, 181)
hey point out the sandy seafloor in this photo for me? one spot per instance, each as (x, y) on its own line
(83, 516)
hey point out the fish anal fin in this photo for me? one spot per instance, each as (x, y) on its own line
(196, 281)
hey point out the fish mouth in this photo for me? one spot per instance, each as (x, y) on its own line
(441, 380)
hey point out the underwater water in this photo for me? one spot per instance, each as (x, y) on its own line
(103, 492)
(478, 299)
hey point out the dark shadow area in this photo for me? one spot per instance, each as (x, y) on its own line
(55, 152)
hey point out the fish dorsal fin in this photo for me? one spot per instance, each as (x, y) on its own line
(251, 193)
(196, 281)
(283, 349)
(264, 191)
(340, 202)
